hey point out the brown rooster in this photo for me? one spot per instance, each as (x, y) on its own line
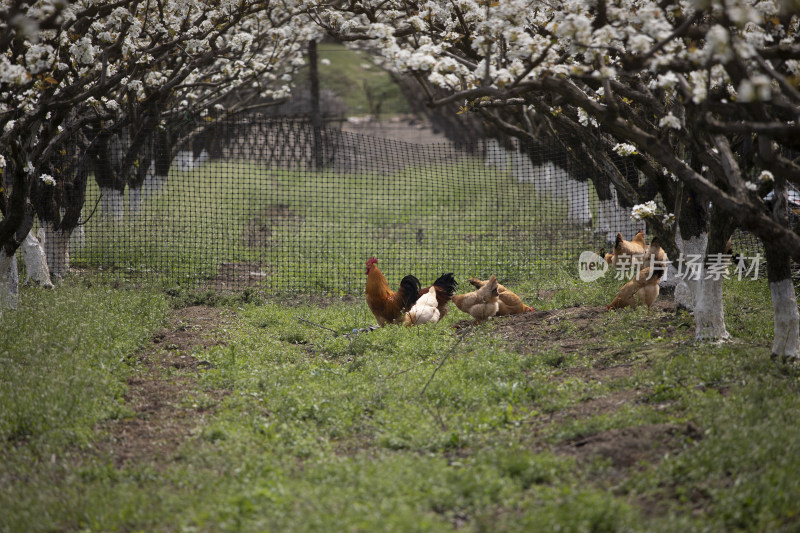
(508, 302)
(444, 287)
(388, 306)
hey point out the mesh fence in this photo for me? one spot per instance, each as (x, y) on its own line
(277, 205)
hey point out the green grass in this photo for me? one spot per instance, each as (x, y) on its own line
(313, 232)
(301, 424)
(365, 88)
(56, 379)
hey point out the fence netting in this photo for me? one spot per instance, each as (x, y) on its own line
(276, 204)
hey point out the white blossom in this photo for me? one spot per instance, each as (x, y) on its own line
(766, 177)
(670, 121)
(625, 149)
(645, 210)
(47, 179)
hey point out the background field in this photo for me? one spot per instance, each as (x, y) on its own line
(241, 224)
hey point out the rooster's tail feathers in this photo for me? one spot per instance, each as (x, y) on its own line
(447, 283)
(410, 287)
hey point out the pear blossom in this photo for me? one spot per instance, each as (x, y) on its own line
(643, 211)
(766, 177)
(625, 149)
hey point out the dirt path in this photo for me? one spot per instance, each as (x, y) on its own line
(168, 405)
(166, 401)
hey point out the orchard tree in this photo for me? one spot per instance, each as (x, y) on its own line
(81, 76)
(703, 94)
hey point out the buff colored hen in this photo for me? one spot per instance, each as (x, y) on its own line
(508, 302)
(641, 289)
(480, 304)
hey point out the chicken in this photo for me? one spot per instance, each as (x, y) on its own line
(425, 310)
(639, 290)
(509, 303)
(388, 306)
(633, 247)
(655, 251)
(481, 303)
(444, 287)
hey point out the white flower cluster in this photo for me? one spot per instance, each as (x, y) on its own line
(766, 176)
(755, 89)
(643, 211)
(670, 121)
(47, 179)
(585, 119)
(83, 51)
(625, 149)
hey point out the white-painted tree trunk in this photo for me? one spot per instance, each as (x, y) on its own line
(9, 282)
(559, 181)
(542, 179)
(112, 205)
(183, 160)
(579, 212)
(35, 259)
(153, 184)
(57, 245)
(701, 296)
(787, 319)
(493, 154)
(135, 202)
(709, 316)
(524, 170)
(201, 158)
(604, 210)
(684, 297)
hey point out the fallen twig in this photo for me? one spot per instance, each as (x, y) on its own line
(444, 358)
(317, 325)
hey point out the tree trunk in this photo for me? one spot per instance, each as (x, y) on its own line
(684, 294)
(579, 212)
(36, 259)
(56, 243)
(786, 343)
(316, 118)
(9, 281)
(701, 290)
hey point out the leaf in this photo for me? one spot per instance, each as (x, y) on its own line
(51, 80)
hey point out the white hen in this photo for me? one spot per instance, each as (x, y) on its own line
(426, 309)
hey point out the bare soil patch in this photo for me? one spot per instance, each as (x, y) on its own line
(264, 224)
(165, 400)
(235, 276)
(631, 446)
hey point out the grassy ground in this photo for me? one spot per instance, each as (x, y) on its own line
(237, 222)
(365, 88)
(134, 410)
